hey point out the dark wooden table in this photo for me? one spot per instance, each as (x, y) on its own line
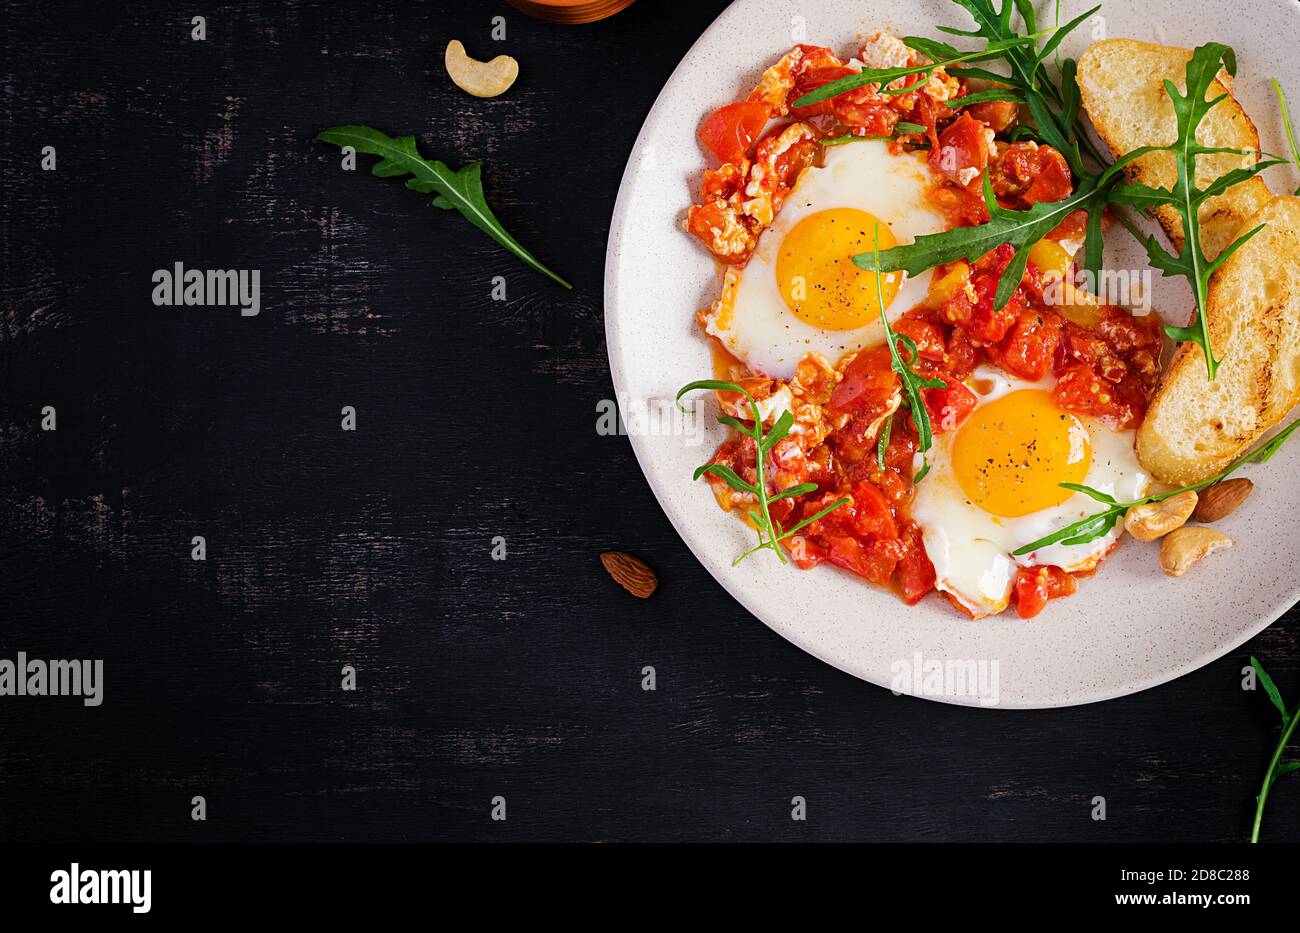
(475, 419)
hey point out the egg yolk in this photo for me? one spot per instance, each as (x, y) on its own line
(816, 274)
(1011, 455)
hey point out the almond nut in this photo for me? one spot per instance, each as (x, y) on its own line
(1222, 499)
(1185, 546)
(630, 573)
(482, 79)
(1156, 519)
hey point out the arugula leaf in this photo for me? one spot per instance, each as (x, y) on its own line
(1055, 112)
(799, 489)
(850, 138)
(726, 474)
(1276, 766)
(1099, 527)
(1093, 242)
(1270, 688)
(901, 128)
(1058, 127)
(1022, 229)
(1058, 36)
(1090, 492)
(770, 532)
(912, 383)
(882, 442)
(1100, 523)
(884, 76)
(985, 96)
(461, 190)
(1266, 452)
(1071, 100)
(1286, 123)
(1186, 198)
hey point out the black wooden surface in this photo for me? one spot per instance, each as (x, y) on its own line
(477, 678)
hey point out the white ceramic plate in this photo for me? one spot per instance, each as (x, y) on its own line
(1129, 627)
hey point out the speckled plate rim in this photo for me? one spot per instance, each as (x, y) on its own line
(703, 527)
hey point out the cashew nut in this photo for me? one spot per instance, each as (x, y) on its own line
(482, 79)
(1185, 546)
(1156, 519)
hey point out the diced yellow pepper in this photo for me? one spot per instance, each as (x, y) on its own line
(1050, 257)
(1073, 304)
(948, 285)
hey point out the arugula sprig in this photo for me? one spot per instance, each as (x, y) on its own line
(1055, 108)
(882, 441)
(1022, 229)
(885, 76)
(460, 190)
(901, 128)
(1276, 766)
(1286, 124)
(1186, 198)
(1100, 523)
(770, 532)
(911, 381)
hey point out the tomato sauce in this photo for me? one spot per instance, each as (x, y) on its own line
(1104, 362)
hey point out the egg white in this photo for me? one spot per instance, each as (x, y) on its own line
(971, 549)
(752, 319)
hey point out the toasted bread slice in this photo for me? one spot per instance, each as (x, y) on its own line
(1195, 427)
(1121, 83)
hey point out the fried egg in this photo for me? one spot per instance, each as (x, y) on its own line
(800, 291)
(993, 487)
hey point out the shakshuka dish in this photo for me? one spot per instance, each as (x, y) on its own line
(1046, 388)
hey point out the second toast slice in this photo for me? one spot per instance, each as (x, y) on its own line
(1121, 83)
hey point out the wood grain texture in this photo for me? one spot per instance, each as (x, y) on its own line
(476, 418)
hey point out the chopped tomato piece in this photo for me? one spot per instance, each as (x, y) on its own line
(860, 536)
(987, 323)
(997, 115)
(874, 560)
(962, 208)
(1052, 181)
(1029, 349)
(963, 356)
(785, 159)
(963, 151)
(863, 110)
(926, 113)
(870, 512)
(948, 407)
(730, 131)
(926, 335)
(812, 75)
(724, 181)
(1031, 173)
(869, 383)
(1036, 585)
(975, 312)
(915, 572)
(1072, 227)
(1121, 404)
(1138, 341)
(782, 509)
(720, 226)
